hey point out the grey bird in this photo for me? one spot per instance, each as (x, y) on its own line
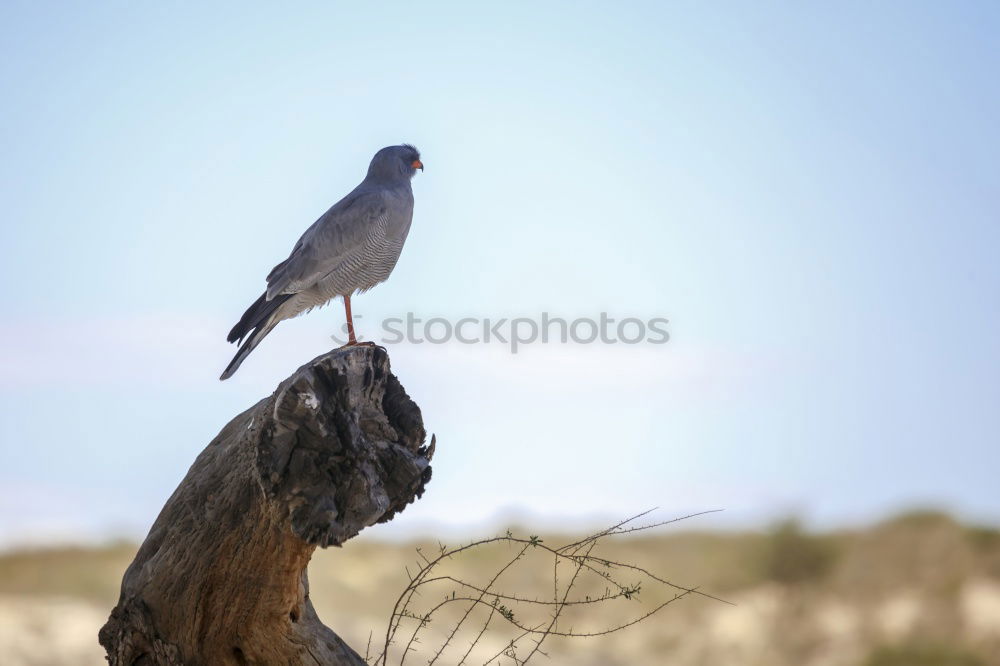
(351, 248)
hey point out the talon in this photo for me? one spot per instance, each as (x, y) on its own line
(362, 343)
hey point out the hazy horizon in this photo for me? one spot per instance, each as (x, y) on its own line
(808, 195)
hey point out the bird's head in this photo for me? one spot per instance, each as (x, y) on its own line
(395, 163)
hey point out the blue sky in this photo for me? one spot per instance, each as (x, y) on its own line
(808, 194)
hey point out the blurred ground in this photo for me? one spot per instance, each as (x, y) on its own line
(918, 590)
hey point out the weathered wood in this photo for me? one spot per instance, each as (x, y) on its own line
(221, 578)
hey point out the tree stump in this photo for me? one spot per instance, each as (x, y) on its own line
(221, 577)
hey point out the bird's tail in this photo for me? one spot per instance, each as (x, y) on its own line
(254, 325)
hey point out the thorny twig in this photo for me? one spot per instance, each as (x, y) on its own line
(502, 604)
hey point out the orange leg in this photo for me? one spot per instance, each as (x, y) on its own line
(351, 340)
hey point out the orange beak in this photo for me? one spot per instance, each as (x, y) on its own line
(417, 164)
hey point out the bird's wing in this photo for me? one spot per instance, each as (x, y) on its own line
(337, 234)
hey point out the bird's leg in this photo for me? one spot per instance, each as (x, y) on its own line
(351, 340)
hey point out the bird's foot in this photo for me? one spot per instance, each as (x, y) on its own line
(365, 343)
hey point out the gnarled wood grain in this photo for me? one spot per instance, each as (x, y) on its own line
(221, 578)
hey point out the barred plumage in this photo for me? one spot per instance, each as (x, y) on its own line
(351, 248)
